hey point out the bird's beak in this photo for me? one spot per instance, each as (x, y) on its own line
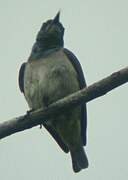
(56, 18)
(54, 21)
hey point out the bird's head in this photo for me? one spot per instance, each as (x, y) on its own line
(51, 33)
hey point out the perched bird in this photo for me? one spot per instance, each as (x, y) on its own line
(51, 73)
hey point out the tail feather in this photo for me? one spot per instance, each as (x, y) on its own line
(79, 159)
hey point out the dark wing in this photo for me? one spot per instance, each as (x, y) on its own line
(21, 77)
(73, 59)
(56, 136)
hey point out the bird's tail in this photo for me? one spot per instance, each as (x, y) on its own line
(79, 159)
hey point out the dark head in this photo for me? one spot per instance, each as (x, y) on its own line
(51, 34)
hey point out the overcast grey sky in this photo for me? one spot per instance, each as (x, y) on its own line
(97, 32)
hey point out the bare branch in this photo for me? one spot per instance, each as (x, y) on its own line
(93, 91)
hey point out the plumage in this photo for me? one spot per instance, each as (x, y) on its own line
(82, 83)
(21, 77)
(51, 73)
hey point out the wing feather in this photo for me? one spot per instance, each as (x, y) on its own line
(21, 77)
(76, 64)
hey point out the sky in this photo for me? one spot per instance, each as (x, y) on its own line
(96, 32)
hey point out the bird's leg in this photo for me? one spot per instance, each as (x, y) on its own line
(28, 113)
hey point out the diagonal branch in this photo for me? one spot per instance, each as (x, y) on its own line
(93, 91)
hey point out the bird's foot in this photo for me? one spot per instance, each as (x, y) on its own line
(28, 113)
(28, 116)
(41, 126)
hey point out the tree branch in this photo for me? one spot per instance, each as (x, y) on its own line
(93, 91)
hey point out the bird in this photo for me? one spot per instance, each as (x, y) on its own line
(50, 73)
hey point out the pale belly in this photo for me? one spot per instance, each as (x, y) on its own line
(49, 79)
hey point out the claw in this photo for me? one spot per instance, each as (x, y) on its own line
(28, 116)
(41, 126)
(28, 113)
(31, 110)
